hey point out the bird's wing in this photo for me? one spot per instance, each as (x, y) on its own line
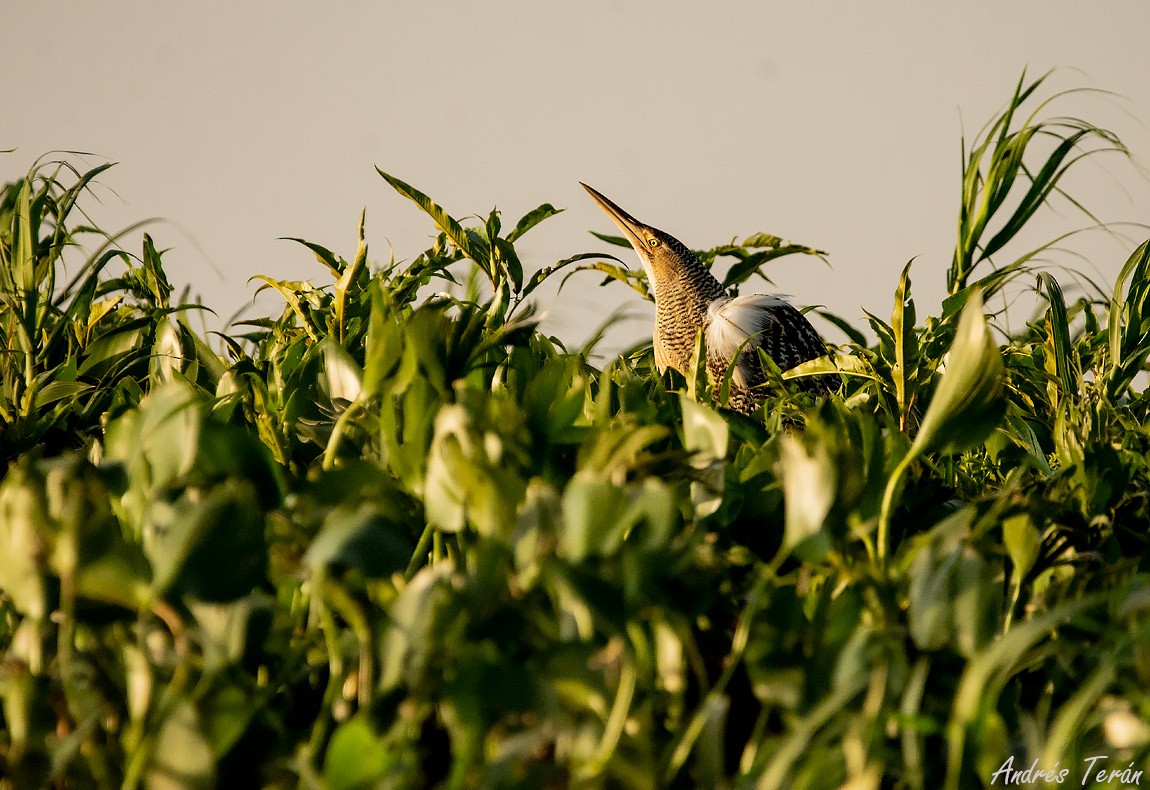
(771, 324)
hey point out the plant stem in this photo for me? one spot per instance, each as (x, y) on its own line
(892, 485)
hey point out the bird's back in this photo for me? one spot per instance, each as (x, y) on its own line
(740, 325)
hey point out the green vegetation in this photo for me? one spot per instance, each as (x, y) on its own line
(391, 540)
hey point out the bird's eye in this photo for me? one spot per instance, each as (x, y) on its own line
(652, 242)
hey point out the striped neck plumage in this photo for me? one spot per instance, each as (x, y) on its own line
(673, 267)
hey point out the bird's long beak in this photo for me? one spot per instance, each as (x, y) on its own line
(633, 229)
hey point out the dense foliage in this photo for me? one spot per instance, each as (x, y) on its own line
(398, 540)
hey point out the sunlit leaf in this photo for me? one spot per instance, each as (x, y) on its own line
(356, 757)
(182, 757)
(471, 245)
(967, 404)
(809, 483)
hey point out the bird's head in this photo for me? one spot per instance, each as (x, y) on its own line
(661, 254)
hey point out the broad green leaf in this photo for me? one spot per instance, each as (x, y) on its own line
(23, 256)
(109, 347)
(160, 440)
(410, 640)
(360, 538)
(301, 297)
(342, 376)
(383, 347)
(824, 365)
(593, 518)
(751, 263)
(618, 241)
(635, 278)
(967, 404)
(705, 436)
(119, 575)
(473, 466)
(226, 713)
(932, 559)
(227, 628)
(977, 600)
(357, 758)
(705, 432)
(23, 519)
(182, 758)
(211, 548)
(930, 615)
(1023, 541)
(101, 309)
(57, 391)
(509, 259)
(168, 357)
(809, 484)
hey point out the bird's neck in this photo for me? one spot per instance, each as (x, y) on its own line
(685, 277)
(684, 284)
(683, 292)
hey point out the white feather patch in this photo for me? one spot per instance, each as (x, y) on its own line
(730, 321)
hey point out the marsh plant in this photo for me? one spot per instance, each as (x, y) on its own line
(396, 536)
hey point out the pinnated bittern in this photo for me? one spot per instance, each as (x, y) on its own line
(689, 298)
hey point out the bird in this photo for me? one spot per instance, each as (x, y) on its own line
(688, 298)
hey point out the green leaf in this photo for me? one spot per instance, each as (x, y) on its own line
(705, 432)
(751, 263)
(23, 522)
(119, 575)
(410, 641)
(109, 347)
(509, 260)
(904, 371)
(809, 484)
(211, 548)
(929, 613)
(361, 538)
(1058, 329)
(23, 256)
(470, 244)
(977, 600)
(1129, 334)
(342, 378)
(322, 254)
(617, 241)
(967, 405)
(592, 518)
(538, 277)
(636, 279)
(987, 673)
(57, 391)
(182, 757)
(357, 758)
(348, 279)
(1023, 541)
(531, 219)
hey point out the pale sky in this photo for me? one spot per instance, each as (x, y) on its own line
(833, 125)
